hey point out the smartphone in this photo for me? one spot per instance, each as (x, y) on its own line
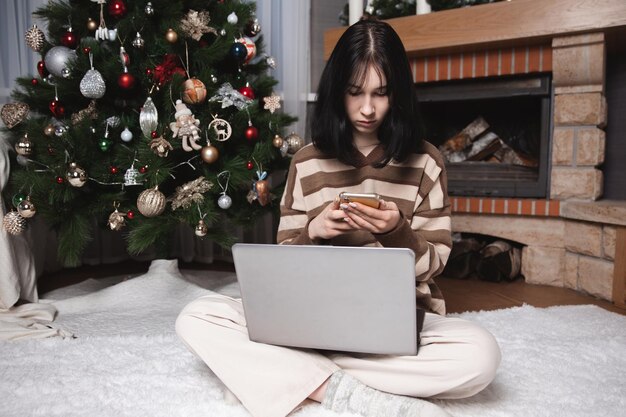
(369, 199)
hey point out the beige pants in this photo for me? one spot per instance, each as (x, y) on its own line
(456, 359)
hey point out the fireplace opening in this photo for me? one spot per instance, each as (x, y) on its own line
(494, 134)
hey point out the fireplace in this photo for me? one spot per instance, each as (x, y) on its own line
(514, 113)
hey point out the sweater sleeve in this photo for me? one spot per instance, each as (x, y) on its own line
(428, 231)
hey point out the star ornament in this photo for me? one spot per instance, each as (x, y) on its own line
(272, 103)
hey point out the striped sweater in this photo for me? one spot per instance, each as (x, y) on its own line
(418, 186)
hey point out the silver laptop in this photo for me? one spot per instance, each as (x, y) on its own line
(355, 299)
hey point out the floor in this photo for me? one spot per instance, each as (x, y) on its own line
(460, 295)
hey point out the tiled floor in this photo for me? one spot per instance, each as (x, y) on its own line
(460, 295)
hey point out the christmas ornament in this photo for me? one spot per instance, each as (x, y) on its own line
(126, 81)
(228, 96)
(116, 219)
(271, 62)
(76, 176)
(126, 135)
(26, 208)
(250, 48)
(113, 170)
(70, 39)
(130, 214)
(113, 121)
(13, 223)
(151, 202)
(56, 108)
(232, 18)
(88, 112)
(247, 91)
(138, 42)
(60, 130)
(58, 59)
(272, 103)
(13, 114)
(35, 38)
(149, 9)
(24, 146)
(209, 153)
(186, 127)
(143, 169)
(112, 34)
(92, 25)
(277, 142)
(102, 33)
(22, 160)
(295, 142)
(252, 28)
(190, 193)
(160, 146)
(222, 129)
(224, 201)
(117, 8)
(213, 78)
(238, 51)
(60, 180)
(164, 72)
(49, 130)
(92, 85)
(252, 133)
(131, 176)
(34, 81)
(104, 144)
(18, 198)
(201, 229)
(195, 24)
(148, 117)
(194, 91)
(262, 188)
(171, 36)
(41, 69)
(249, 165)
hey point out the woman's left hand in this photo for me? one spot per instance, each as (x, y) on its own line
(380, 220)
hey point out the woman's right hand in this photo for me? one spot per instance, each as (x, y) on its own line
(331, 222)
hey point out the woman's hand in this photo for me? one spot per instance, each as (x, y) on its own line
(380, 220)
(331, 222)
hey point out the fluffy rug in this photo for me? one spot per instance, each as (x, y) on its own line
(127, 361)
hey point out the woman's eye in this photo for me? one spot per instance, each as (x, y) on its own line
(354, 92)
(381, 93)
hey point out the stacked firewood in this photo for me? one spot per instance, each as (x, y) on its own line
(477, 143)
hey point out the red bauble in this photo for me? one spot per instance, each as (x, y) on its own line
(51, 150)
(252, 133)
(126, 81)
(130, 214)
(86, 50)
(113, 170)
(249, 165)
(143, 169)
(247, 91)
(56, 108)
(69, 39)
(149, 72)
(117, 8)
(154, 134)
(60, 180)
(34, 81)
(41, 69)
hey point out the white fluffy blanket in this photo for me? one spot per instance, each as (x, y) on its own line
(126, 359)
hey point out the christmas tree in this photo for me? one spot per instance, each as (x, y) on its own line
(145, 114)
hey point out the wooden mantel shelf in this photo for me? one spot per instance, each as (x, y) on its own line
(495, 24)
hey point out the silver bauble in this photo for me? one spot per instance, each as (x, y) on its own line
(59, 58)
(232, 18)
(13, 223)
(149, 9)
(295, 142)
(60, 130)
(131, 176)
(26, 208)
(138, 42)
(24, 146)
(76, 176)
(151, 202)
(224, 201)
(148, 118)
(92, 85)
(126, 135)
(201, 229)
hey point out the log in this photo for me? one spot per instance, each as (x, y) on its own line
(465, 137)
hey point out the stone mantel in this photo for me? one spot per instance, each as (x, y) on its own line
(503, 23)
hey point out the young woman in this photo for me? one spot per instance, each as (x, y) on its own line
(366, 138)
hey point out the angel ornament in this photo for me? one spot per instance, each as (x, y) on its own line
(186, 127)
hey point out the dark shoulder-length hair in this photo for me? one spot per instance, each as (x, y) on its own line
(364, 44)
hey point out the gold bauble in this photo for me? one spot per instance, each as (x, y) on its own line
(151, 202)
(277, 141)
(295, 142)
(76, 176)
(201, 229)
(171, 36)
(24, 146)
(92, 25)
(49, 130)
(194, 91)
(209, 154)
(26, 208)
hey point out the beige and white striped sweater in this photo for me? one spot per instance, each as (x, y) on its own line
(418, 186)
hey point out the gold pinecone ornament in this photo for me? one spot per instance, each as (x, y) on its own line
(13, 223)
(35, 38)
(151, 202)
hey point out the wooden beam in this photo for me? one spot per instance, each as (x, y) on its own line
(499, 23)
(619, 271)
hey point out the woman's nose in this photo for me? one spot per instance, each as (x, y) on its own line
(367, 109)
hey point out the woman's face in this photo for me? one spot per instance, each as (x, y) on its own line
(367, 104)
